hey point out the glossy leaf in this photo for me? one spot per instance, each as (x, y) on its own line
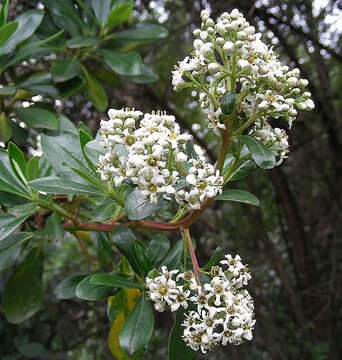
(8, 182)
(23, 209)
(81, 41)
(3, 12)
(129, 64)
(85, 138)
(70, 87)
(67, 288)
(8, 223)
(95, 91)
(23, 292)
(6, 31)
(103, 247)
(119, 13)
(158, 248)
(32, 168)
(124, 240)
(65, 69)
(104, 212)
(17, 156)
(147, 76)
(137, 329)
(93, 150)
(27, 25)
(215, 258)
(119, 307)
(142, 258)
(173, 256)
(243, 170)
(142, 32)
(114, 279)
(36, 117)
(177, 349)
(101, 9)
(89, 291)
(53, 228)
(56, 185)
(238, 196)
(64, 15)
(138, 208)
(5, 128)
(11, 247)
(261, 154)
(39, 83)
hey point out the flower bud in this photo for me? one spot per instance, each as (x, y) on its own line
(228, 47)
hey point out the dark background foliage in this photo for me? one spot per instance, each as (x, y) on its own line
(292, 243)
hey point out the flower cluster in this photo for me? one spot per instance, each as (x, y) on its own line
(268, 88)
(151, 155)
(224, 309)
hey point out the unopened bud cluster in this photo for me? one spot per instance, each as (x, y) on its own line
(151, 156)
(229, 55)
(224, 309)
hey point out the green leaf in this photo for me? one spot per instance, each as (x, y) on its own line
(71, 87)
(17, 156)
(30, 349)
(89, 291)
(53, 228)
(103, 247)
(129, 64)
(8, 223)
(6, 31)
(114, 279)
(93, 150)
(95, 91)
(5, 128)
(11, 247)
(239, 196)
(137, 329)
(39, 83)
(137, 208)
(8, 182)
(32, 168)
(158, 248)
(65, 69)
(23, 292)
(215, 258)
(261, 154)
(119, 13)
(147, 76)
(36, 117)
(23, 209)
(85, 138)
(119, 307)
(28, 22)
(56, 185)
(64, 15)
(67, 288)
(243, 170)
(142, 32)
(104, 212)
(101, 9)
(141, 257)
(228, 103)
(173, 257)
(3, 12)
(178, 350)
(124, 240)
(81, 41)
(8, 90)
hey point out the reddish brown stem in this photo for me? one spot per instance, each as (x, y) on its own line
(192, 252)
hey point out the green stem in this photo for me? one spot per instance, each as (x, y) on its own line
(249, 121)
